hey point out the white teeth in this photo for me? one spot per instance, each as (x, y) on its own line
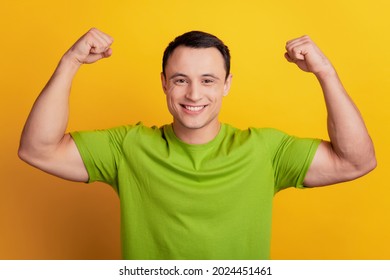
(194, 108)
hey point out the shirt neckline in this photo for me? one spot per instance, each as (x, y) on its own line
(217, 139)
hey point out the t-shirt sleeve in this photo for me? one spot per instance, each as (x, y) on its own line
(291, 157)
(101, 152)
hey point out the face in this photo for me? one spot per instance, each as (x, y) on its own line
(195, 84)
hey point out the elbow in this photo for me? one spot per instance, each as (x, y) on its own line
(35, 153)
(25, 147)
(371, 164)
(367, 166)
(363, 161)
(29, 154)
(23, 154)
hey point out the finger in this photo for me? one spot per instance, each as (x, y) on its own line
(297, 49)
(95, 57)
(107, 53)
(302, 39)
(288, 58)
(98, 41)
(102, 37)
(295, 53)
(98, 48)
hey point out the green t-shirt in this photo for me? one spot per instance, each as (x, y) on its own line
(209, 201)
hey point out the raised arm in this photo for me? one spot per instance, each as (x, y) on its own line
(350, 152)
(44, 143)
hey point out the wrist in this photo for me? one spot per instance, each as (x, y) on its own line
(70, 60)
(327, 73)
(68, 64)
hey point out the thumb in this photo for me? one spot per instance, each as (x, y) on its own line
(288, 58)
(93, 57)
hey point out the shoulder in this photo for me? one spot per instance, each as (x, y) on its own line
(116, 135)
(266, 139)
(262, 133)
(141, 130)
(259, 138)
(143, 135)
(124, 131)
(268, 132)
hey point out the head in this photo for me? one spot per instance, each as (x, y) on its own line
(195, 78)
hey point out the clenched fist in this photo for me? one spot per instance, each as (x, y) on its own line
(91, 47)
(307, 56)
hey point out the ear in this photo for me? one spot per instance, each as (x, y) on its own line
(227, 85)
(163, 82)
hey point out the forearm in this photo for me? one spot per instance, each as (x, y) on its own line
(347, 132)
(47, 121)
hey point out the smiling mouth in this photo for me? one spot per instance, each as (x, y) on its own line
(193, 108)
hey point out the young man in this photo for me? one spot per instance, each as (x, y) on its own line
(196, 188)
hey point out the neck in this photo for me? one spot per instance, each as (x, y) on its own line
(196, 136)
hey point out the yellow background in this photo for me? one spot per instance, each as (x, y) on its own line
(43, 217)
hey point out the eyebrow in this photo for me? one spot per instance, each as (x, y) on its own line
(178, 75)
(185, 76)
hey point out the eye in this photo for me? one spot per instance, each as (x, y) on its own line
(180, 81)
(208, 81)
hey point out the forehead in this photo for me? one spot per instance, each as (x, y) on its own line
(196, 60)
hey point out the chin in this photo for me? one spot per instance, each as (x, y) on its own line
(191, 125)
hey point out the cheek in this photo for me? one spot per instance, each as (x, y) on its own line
(174, 91)
(176, 94)
(217, 94)
(172, 100)
(219, 103)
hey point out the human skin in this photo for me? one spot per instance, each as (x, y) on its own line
(195, 84)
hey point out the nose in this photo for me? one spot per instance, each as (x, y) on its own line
(193, 92)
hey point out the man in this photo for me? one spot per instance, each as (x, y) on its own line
(196, 188)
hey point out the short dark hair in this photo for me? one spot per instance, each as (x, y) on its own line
(197, 40)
